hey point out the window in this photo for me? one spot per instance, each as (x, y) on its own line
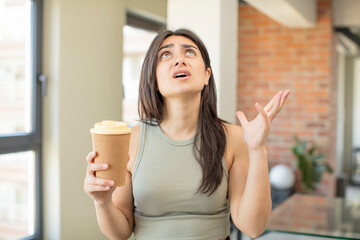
(20, 121)
(136, 43)
(138, 34)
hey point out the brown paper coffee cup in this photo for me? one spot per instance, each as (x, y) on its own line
(111, 141)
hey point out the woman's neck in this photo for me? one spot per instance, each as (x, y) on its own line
(181, 117)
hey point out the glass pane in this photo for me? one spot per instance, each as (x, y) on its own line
(321, 216)
(15, 67)
(17, 195)
(136, 43)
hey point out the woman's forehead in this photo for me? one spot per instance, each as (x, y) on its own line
(177, 40)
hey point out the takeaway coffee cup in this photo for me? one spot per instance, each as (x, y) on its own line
(111, 139)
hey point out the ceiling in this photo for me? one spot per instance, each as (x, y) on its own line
(300, 13)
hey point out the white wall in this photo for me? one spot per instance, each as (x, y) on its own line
(83, 60)
(356, 104)
(346, 12)
(215, 22)
(341, 112)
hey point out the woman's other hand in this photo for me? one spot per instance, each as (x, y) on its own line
(257, 130)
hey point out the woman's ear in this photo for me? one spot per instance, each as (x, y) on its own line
(207, 76)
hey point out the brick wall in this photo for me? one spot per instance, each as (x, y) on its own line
(273, 57)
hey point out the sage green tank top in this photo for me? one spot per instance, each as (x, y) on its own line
(165, 178)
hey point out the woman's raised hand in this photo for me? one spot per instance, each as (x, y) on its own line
(257, 130)
(99, 189)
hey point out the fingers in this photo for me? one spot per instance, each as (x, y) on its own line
(91, 180)
(271, 103)
(94, 184)
(99, 181)
(268, 113)
(279, 101)
(93, 167)
(91, 156)
(96, 188)
(283, 97)
(275, 108)
(242, 118)
(262, 112)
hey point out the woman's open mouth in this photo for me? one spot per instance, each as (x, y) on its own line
(181, 74)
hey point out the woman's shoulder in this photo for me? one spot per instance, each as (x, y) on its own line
(234, 138)
(135, 130)
(235, 143)
(134, 137)
(134, 143)
(233, 132)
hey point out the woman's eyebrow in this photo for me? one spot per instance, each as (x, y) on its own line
(166, 46)
(188, 46)
(182, 45)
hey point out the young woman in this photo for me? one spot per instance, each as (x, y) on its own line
(188, 169)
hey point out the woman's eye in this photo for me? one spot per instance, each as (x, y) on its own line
(190, 52)
(164, 55)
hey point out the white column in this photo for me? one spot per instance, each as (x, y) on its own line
(215, 22)
(356, 104)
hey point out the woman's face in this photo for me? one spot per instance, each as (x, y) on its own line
(180, 70)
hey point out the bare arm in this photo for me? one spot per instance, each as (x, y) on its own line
(116, 221)
(249, 190)
(249, 187)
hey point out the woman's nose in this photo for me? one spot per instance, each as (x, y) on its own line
(179, 61)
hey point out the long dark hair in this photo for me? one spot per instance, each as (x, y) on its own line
(210, 138)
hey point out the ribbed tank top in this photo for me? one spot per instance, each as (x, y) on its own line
(165, 178)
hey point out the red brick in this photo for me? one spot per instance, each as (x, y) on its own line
(273, 57)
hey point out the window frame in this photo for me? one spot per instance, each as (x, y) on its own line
(19, 142)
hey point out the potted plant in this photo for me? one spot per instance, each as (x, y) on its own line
(311, 164)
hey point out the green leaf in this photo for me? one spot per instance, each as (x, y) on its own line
(311, 165)
(317, 173)
(312, 150)
(318, 157)
(297, 140)
(328, 168)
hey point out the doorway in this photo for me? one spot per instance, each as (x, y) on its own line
(138, 33)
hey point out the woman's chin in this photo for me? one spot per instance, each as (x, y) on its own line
(182, 93)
